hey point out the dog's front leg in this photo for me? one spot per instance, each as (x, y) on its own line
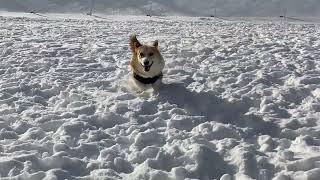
(156, 86)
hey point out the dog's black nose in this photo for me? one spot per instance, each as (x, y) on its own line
(146, 63)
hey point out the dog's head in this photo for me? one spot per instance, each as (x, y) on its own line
(146, 59)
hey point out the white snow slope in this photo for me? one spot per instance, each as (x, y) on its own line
(170, 7)
(241, 100)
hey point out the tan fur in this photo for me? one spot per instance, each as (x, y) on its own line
(151, 53)
(137, 48)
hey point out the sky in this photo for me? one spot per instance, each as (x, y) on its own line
(171, 7)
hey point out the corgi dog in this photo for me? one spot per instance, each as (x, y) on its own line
(146, 64)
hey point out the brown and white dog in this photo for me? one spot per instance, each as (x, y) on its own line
(146, 64)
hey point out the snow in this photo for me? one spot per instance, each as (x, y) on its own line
(240, 99)
(274, 8)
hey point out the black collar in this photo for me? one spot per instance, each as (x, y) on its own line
(144, 80)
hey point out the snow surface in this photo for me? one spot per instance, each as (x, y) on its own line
(170, 7)
(241, 99)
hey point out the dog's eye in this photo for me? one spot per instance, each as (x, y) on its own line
(141, 55)
(150, 54)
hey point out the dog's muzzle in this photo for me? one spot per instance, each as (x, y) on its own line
(146, 66)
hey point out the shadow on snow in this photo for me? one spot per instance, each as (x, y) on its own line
(213, 108)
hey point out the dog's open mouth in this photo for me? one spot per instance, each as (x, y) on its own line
(147, 67)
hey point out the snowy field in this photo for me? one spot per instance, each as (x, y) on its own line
(241, 99)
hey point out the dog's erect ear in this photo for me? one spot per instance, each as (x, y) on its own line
(134, 43)
(155, 43)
